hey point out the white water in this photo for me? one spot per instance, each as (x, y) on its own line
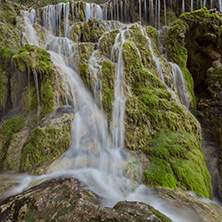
(151, 12)
(145, 11)
(220, 5)
(180, 85)
(158, 25)
(95, 70)
(155, 58)
(183, 6)
(165, 13)
(35, 75)
(140, 13)
(191, 5)
(120, 97)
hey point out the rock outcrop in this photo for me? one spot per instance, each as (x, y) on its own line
(67, 200)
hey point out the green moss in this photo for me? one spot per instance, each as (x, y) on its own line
(160, 174)
(90, 194)
(47, 97)
(84, 73)
(133, 64)
(46, 143)
(159, 214)
(30, 216)
(32, 59)
(5, 58)
(29, 99)
(12, 126)
(85, 51)
(107, 42)
(108, 73)
(181, 155)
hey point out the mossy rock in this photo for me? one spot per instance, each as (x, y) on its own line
(36, 64)
(177, 160)
(152, 110)
(33, 58)
(45, 144)
(107, 42)
(5, 66)
(108, 75)
(10, 127)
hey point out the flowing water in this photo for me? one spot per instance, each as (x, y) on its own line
(96, 157)
(165, 13)
(183, 6)
(180, 84)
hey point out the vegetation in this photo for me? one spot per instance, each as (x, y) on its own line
(12, 126)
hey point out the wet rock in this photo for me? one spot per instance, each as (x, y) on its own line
(200, 209)
(65, 199)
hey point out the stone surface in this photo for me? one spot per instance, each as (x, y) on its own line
(67, 200)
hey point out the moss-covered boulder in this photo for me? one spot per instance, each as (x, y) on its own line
(47, 141)
(41, 80)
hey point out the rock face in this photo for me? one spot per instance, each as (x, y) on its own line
(194, 42)
(67, 200)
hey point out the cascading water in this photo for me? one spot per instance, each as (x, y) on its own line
(180, 85)
(151, 12)
(183, 6)
(220, 5)
(165, 13)
(191, 5)
(140, 12)
(158, 26)
(145, 11)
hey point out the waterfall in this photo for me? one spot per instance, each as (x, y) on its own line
(140, 10)
(125, 10)
(120, 98)
(180, 85)
(183, 6)
(117, 10)
(95, 74)
(158, 14)
(197, 4)
(30, 34)
(95, 157)
(35, 75)
(205, 3)
(66, 18)
(151, 12)
(165, 13)
(220, 5)
(211, 4)
(145, 11)
(191, 5)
